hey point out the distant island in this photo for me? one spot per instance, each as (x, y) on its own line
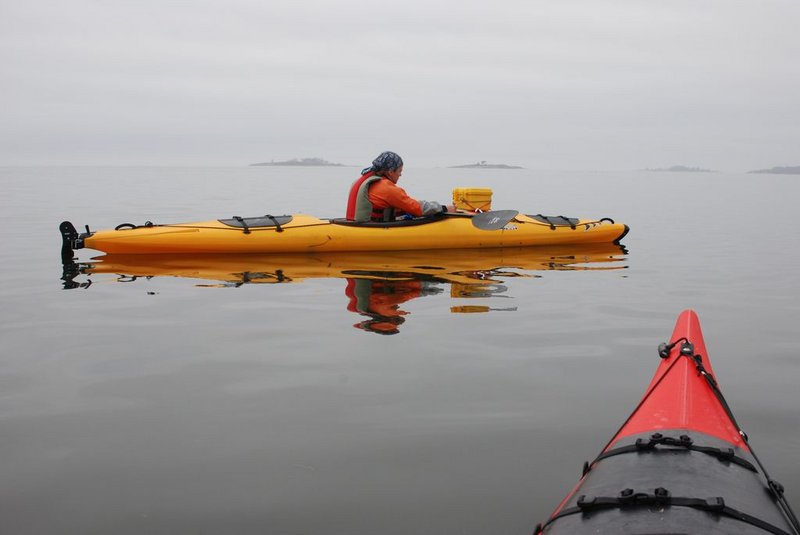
(302, 162)
(484, 165)
(681, 169)
(791, 170)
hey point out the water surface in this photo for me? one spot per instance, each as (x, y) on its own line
(459, 394)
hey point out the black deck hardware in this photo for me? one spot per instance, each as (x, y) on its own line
(258, 223)
(682, 442)
(628, 498)
(275, 221)
(243, 223)
(131, 226)
(556, 220)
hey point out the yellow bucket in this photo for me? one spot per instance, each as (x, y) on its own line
(473, 199)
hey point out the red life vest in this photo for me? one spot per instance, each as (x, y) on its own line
(351, 199)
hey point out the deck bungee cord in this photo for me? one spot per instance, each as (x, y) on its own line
(662, 497)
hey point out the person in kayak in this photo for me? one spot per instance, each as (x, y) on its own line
(375, 196)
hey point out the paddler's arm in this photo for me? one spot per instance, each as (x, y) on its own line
(395, 196)
(434, 208)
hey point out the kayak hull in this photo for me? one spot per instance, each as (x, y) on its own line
(678, 464)
(304, 233)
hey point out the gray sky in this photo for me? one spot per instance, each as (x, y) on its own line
(561, 84)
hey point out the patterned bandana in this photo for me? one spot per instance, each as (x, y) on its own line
(385, 161)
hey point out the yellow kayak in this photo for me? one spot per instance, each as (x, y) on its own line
(302, 233)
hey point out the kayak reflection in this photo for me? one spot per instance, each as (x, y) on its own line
(377, 284)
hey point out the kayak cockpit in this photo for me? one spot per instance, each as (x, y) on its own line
(389, 224)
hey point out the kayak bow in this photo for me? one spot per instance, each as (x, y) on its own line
(679, 464)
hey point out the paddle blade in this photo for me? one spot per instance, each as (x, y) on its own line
(493, 220)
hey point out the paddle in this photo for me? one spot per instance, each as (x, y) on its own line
(493, 220)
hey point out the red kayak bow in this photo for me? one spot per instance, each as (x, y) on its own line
(679, 464)
(679, 395)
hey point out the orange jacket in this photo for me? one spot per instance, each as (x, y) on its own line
(386, 194)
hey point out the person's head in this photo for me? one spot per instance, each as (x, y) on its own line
(389, 165)
(382, 325)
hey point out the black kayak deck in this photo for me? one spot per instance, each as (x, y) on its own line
(704, 486)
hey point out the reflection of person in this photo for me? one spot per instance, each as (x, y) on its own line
(375, 196)
(380, 300)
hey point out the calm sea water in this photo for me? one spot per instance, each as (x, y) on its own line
(261, 397)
